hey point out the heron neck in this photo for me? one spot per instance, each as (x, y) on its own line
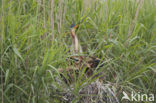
(75, 42)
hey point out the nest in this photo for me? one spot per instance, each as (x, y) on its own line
(96, 92)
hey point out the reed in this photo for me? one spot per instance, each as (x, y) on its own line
(35, 39)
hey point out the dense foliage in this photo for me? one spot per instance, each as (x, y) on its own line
(35, 39)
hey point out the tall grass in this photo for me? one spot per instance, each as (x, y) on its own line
(34, 43)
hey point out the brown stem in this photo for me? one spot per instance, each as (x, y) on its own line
(60, 15)
(52, 18)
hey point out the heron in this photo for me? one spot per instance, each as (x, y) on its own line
(78, 62)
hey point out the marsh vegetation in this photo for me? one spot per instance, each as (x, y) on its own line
(35, 39)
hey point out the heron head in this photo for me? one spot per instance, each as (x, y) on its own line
(74, 27)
